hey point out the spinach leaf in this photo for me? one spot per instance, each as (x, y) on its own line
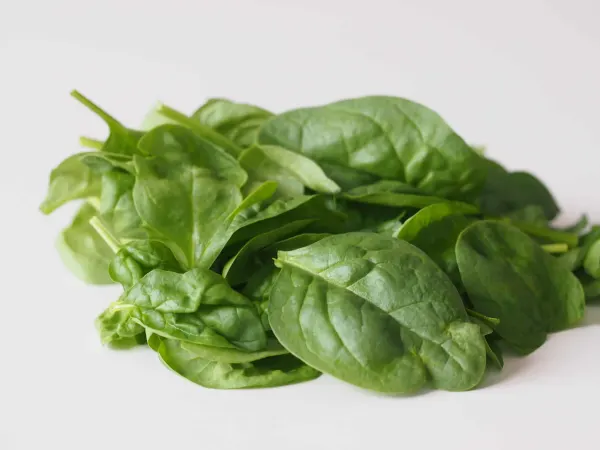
(578, 227)
(117, 207)
(376, 312)
(201, 130)
(200, 183)
(117, 329)
(435, 230)
(267, 372)
(532, 214)
(239, 122)
(388, 137)
(283, 211)
(83, 251)
(121, 139)
(197, 306)
(233, 355)
(239, 268)
(508, 276)
(70, 180)
(591, 261)
(392, 193)
(270, 162)
(137, 258)
(102, 162)
(505, 192)
(494, 352)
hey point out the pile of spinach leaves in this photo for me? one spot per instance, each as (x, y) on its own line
(364, 239)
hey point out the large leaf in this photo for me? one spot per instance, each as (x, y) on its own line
(376, 312)
(508, 276)
(387, 137)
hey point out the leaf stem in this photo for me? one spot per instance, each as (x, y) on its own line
(108, 237)
(91, 143)
(110, 120)
(561, 247)
(95, 202)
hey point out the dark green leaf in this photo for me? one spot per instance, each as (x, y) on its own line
(376, 312)
(392, 193)
(508, 276)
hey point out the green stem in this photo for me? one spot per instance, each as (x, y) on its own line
(548, 233)
(110, 120)
(200, 129)
(556, 248)
(91, 143)
(95, 202)
(108, 237)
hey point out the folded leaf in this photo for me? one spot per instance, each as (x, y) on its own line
(197, 306)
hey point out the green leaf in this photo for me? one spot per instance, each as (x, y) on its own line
(591, 262)
(240, 268)
(386, 137)
(435, 230)
(375, 312)
(201, 130)
(392, 193)
(120, 140)
(102, 162)
(70, 180)
(508, 276)
(270, 162)
(283, 211)
(494, 352)
(505, 192)
(266, 372)
(118, 330)
(83, 251)
(199, 182)
(117, 208)
(233, 355)
(197, 306)
(239, 122)
(137, 258)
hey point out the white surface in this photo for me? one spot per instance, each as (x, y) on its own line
(520, 77)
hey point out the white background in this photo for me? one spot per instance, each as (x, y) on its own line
(521, 77)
